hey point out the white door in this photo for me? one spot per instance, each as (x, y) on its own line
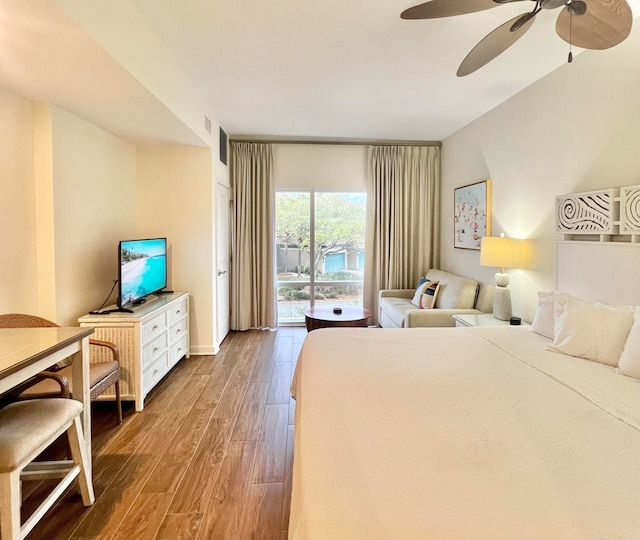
(222, 263)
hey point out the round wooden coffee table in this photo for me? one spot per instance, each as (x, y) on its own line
(323, 316)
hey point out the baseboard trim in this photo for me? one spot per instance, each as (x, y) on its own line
(204, 350)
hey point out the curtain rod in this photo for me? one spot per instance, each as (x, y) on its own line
(312, 140)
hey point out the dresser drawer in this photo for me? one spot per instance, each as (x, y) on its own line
(177, 312)
(153, 350)
(154, 372)
(178, 330)
(177, 351)
(153, 328)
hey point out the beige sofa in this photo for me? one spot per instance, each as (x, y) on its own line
(457, 294)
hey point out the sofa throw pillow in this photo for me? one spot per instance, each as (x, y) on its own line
(429, 294)
(590, 330)
(629, 363)
(544, 321)
(418, 294)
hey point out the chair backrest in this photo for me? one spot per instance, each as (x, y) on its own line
(20, 320)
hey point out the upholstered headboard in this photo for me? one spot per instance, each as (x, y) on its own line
(606, 272)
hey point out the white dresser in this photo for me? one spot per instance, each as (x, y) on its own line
(151, 340)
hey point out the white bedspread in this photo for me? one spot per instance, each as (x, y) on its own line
(447, 433)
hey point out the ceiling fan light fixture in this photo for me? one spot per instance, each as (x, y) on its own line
(605, 24)
(577, 7)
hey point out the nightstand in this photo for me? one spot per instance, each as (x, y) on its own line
(484, 319)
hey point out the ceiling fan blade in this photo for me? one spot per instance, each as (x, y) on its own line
(496, 43)
(446, 8)
(605, 24)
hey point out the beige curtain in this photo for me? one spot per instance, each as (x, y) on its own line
(253, 292)
(403, 201)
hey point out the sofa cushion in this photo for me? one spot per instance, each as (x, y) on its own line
(395, 309)
(456, 292)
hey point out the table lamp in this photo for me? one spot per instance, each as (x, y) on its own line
(503, 253)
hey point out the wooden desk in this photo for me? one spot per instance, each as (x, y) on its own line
(322, 316)
(25, 352)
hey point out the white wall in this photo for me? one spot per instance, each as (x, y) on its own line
(577, 129)
(94, 206)
(176, 200)
(18, 278)
(332, 167)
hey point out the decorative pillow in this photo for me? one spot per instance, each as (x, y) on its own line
(590, 330)
(416, 297)
(629, 363)
(429, 295)
(544, 321)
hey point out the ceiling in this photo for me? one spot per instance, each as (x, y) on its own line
(338, 69)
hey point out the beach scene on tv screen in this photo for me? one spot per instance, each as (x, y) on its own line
(143, 266)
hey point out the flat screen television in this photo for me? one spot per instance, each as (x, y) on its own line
(142, 269)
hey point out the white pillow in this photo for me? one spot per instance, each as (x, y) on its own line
(590, 330)
(629, 363)
(544, 321)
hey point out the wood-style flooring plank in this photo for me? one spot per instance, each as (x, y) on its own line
(179, 527)
(264, 361)
(143, 520)
(250, 415)
(194, 492)
(212, 391)
(263, 509)
(279, 386)
(247, 359)
(99, 537)
(271, 451)
(173, 464)
(224, 514)
(288, 479)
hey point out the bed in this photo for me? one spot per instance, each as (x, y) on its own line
(450, 433)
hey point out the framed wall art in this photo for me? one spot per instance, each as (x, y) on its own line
(472, 214)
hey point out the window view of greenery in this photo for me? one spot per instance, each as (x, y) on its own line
(319, 249)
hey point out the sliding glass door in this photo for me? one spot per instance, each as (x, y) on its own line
(319, 249)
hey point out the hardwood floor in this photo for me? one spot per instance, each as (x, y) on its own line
(209, 457)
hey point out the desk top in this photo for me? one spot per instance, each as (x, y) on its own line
(20, 347)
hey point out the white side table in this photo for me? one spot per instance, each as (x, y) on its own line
(484, 319)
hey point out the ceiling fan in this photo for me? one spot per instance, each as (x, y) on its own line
(589, 24)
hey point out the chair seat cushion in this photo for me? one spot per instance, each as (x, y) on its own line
(28, 427)
(48, 387)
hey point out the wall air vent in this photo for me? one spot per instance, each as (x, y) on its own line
(223, 146)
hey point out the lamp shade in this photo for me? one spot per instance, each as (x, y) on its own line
(501, 252)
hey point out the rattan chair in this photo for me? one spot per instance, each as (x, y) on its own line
(57, 381)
